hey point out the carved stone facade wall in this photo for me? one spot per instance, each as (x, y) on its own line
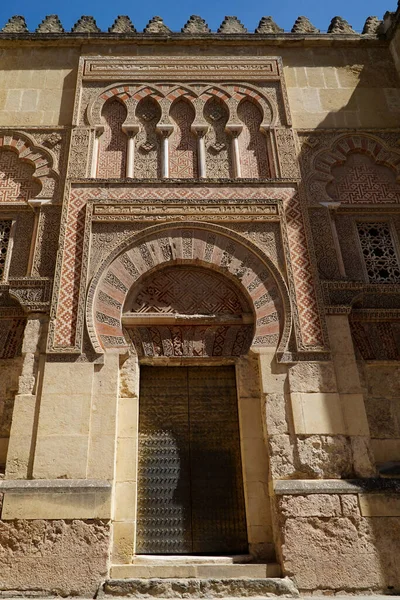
(203, 205)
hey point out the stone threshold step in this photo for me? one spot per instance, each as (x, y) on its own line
(199, 588)
(191, 559)
(200, 571)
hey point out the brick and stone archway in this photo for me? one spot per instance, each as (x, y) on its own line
(234, 263)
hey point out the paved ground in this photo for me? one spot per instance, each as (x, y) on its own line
(341, 597)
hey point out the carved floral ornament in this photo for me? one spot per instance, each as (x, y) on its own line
(39, 158)
(354, 169)
(195, 245)
(231, 95)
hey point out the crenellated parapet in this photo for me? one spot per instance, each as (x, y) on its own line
(196, 26)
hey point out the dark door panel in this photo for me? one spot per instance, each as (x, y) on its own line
(190, 487)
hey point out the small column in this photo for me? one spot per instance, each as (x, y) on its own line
(35, 204)
(22, 441)
(165, 155)
(200, 131)
(165, 131)
(235, 131)
(131, 131)
(95, 155)
(332, 207)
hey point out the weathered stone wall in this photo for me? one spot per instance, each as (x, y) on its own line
(311, 454)
(60, 558)
(330, 543)
(38, 91)
(346, 87)
(327, 87)
(381, 388)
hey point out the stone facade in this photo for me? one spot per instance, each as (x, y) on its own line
(200, 199)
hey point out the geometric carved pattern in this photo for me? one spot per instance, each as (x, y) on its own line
(183, 145)
(147, 141)
(66, 325)
(5, 230)
(359, 180)
(252, 143)
(190, 291)
(217, 141)
(16, 183)
(376, 340)
(11, 335)
(47, 235)
(112, 151)
(197, 245)
(191, 340)
(353, 169)
(187, 291)
(303, 275)
(70, 283)
(320, 222)
(378, 252)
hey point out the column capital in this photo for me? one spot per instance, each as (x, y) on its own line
(331, 205)
(99, 130)
(38, 202)
(199, 129)
(130, 130)
(234, 129)
(165, 130)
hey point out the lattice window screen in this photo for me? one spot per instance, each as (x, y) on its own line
(379, 252)
(5, 230)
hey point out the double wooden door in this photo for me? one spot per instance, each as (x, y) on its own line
(190, 487)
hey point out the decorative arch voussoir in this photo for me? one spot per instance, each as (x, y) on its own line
(124, 93)
(193, 244)
(363, 144)
(41, 159)
(321, 174)
(181, 91)
(267, 107)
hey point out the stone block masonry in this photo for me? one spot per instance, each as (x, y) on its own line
(199, 308)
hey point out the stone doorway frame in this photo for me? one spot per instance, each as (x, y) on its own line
(252, 444)
(222, 250)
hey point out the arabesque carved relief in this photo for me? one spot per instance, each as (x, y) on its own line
(66, 330)
(350, 168)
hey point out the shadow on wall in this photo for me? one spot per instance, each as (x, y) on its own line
(342, 88)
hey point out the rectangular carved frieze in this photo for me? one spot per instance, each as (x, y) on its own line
(154, 212)
(182, 68)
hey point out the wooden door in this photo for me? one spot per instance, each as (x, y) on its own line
(190, 487)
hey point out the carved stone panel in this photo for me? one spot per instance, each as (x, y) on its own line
(376, 340)
(217, 141)
(147, 141)
(252, 143)
(16, 183)
(183, 143)
(11, 336)
(112, 152)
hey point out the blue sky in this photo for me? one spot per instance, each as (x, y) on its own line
(176, 12)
